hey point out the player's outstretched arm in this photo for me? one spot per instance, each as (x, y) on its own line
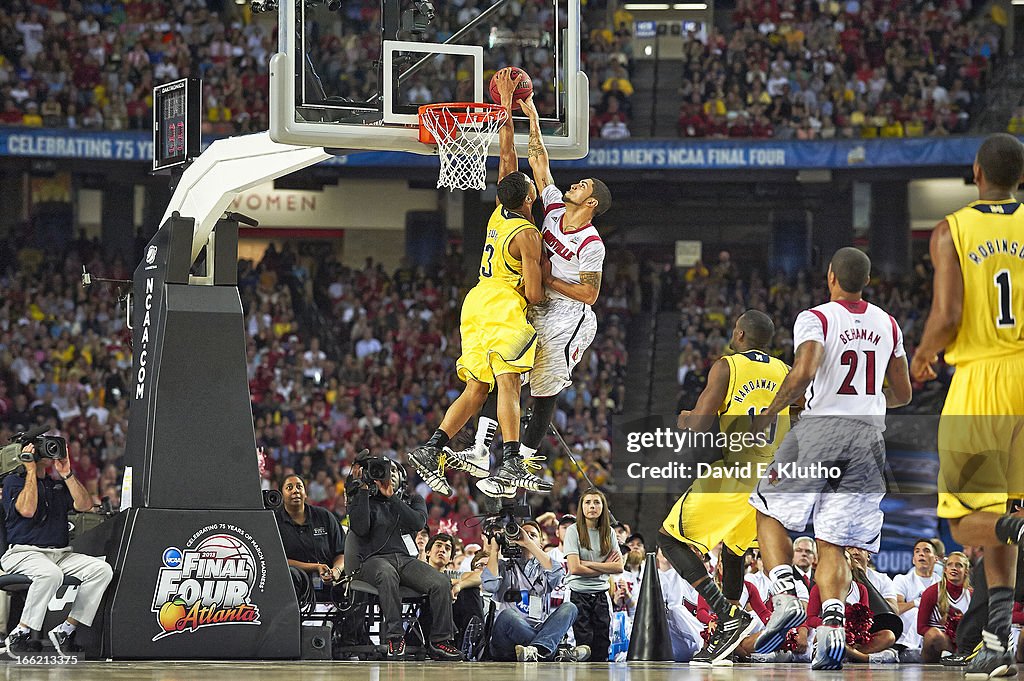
(508, 162)
(536, 152)
(808, 358)
(528, 243)
(710, 401)
(947, 304)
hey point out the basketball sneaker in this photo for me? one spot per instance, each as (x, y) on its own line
(511, 476)
(829, 648)
(789, 612)
(430, 465)
(729, 633)
(20, 643)
(476, 460)
(396, 648)
(572, 654)
(993, 661)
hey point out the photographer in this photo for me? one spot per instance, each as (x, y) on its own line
(36, 520)
(380, 513)
(526, 628)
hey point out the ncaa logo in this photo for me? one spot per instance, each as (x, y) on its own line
(151, 255)
(172, 557)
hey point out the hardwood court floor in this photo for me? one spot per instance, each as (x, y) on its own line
(435, 671)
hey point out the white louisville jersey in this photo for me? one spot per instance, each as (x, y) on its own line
(859, 340)
(579, 251)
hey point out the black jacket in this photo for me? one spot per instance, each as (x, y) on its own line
(380, 522)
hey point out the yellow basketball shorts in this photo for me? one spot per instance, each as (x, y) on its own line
(717, 510)
(496, 338)
(981, 438)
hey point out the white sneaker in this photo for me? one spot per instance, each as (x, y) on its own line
(476, 460)
(889, 656)
(526, 654)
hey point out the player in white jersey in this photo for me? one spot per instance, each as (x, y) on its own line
(829, 468)
(564, 321)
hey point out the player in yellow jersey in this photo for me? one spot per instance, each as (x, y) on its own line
(977, 316)
(498, 343)
(717, 509)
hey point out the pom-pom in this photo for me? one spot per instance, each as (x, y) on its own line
(953, 618)
(858, 624)
(790, 643)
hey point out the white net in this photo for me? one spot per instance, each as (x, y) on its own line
(463, 133)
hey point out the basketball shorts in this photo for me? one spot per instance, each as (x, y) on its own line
(981, 438)
(496, 338)
(565, 329)
(829, 470)
(717, 509)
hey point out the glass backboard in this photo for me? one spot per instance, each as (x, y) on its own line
(350, 74)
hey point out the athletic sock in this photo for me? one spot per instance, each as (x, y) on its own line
(65, 628)
(783, 580)
(438, 439)
(1000, 612)
(509, 451)
(485, 431)
(1010, 529)
(713, 595)
(526, 451)
(833, 613)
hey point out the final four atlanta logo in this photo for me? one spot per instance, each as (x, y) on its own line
(209, 583)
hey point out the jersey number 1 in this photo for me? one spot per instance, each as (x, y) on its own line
(1002, 282)
(485, 271)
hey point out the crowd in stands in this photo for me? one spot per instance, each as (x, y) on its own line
(823, 70)
(393, 340)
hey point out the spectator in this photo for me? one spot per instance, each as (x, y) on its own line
(941, 606)
(910, 587)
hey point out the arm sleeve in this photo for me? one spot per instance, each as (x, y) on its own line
(755, 602)
(929, 599)
(814, 607)
(555, 575)
(335, 535)
(591, 255)
(359, 514)
(489, 581)
(572, 542)
(808, 327)
(703, 613)
(552, 197)
(412, 516)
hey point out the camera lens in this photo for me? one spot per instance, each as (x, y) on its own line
(513, 529)
(52, 449)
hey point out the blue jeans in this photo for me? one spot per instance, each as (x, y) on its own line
(512, 629)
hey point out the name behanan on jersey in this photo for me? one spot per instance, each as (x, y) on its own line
(858, 333)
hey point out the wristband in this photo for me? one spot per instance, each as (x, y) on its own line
(69, 476)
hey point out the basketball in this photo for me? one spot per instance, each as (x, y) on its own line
(523, 90)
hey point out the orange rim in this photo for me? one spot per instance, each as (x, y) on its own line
(476, 112)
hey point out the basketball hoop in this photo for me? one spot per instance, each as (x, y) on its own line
(463, 132)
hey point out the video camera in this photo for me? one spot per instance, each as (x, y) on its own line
(379, 468)
(503, 525)
(47, 447)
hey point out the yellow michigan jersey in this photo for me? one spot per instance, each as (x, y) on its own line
(989, 240)
(981, 433)
(496, 337)
(718, 509)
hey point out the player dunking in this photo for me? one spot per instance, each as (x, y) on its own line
(565, 322)
(845, 349)
(977, 316)
(717, 510)
(498, 343)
